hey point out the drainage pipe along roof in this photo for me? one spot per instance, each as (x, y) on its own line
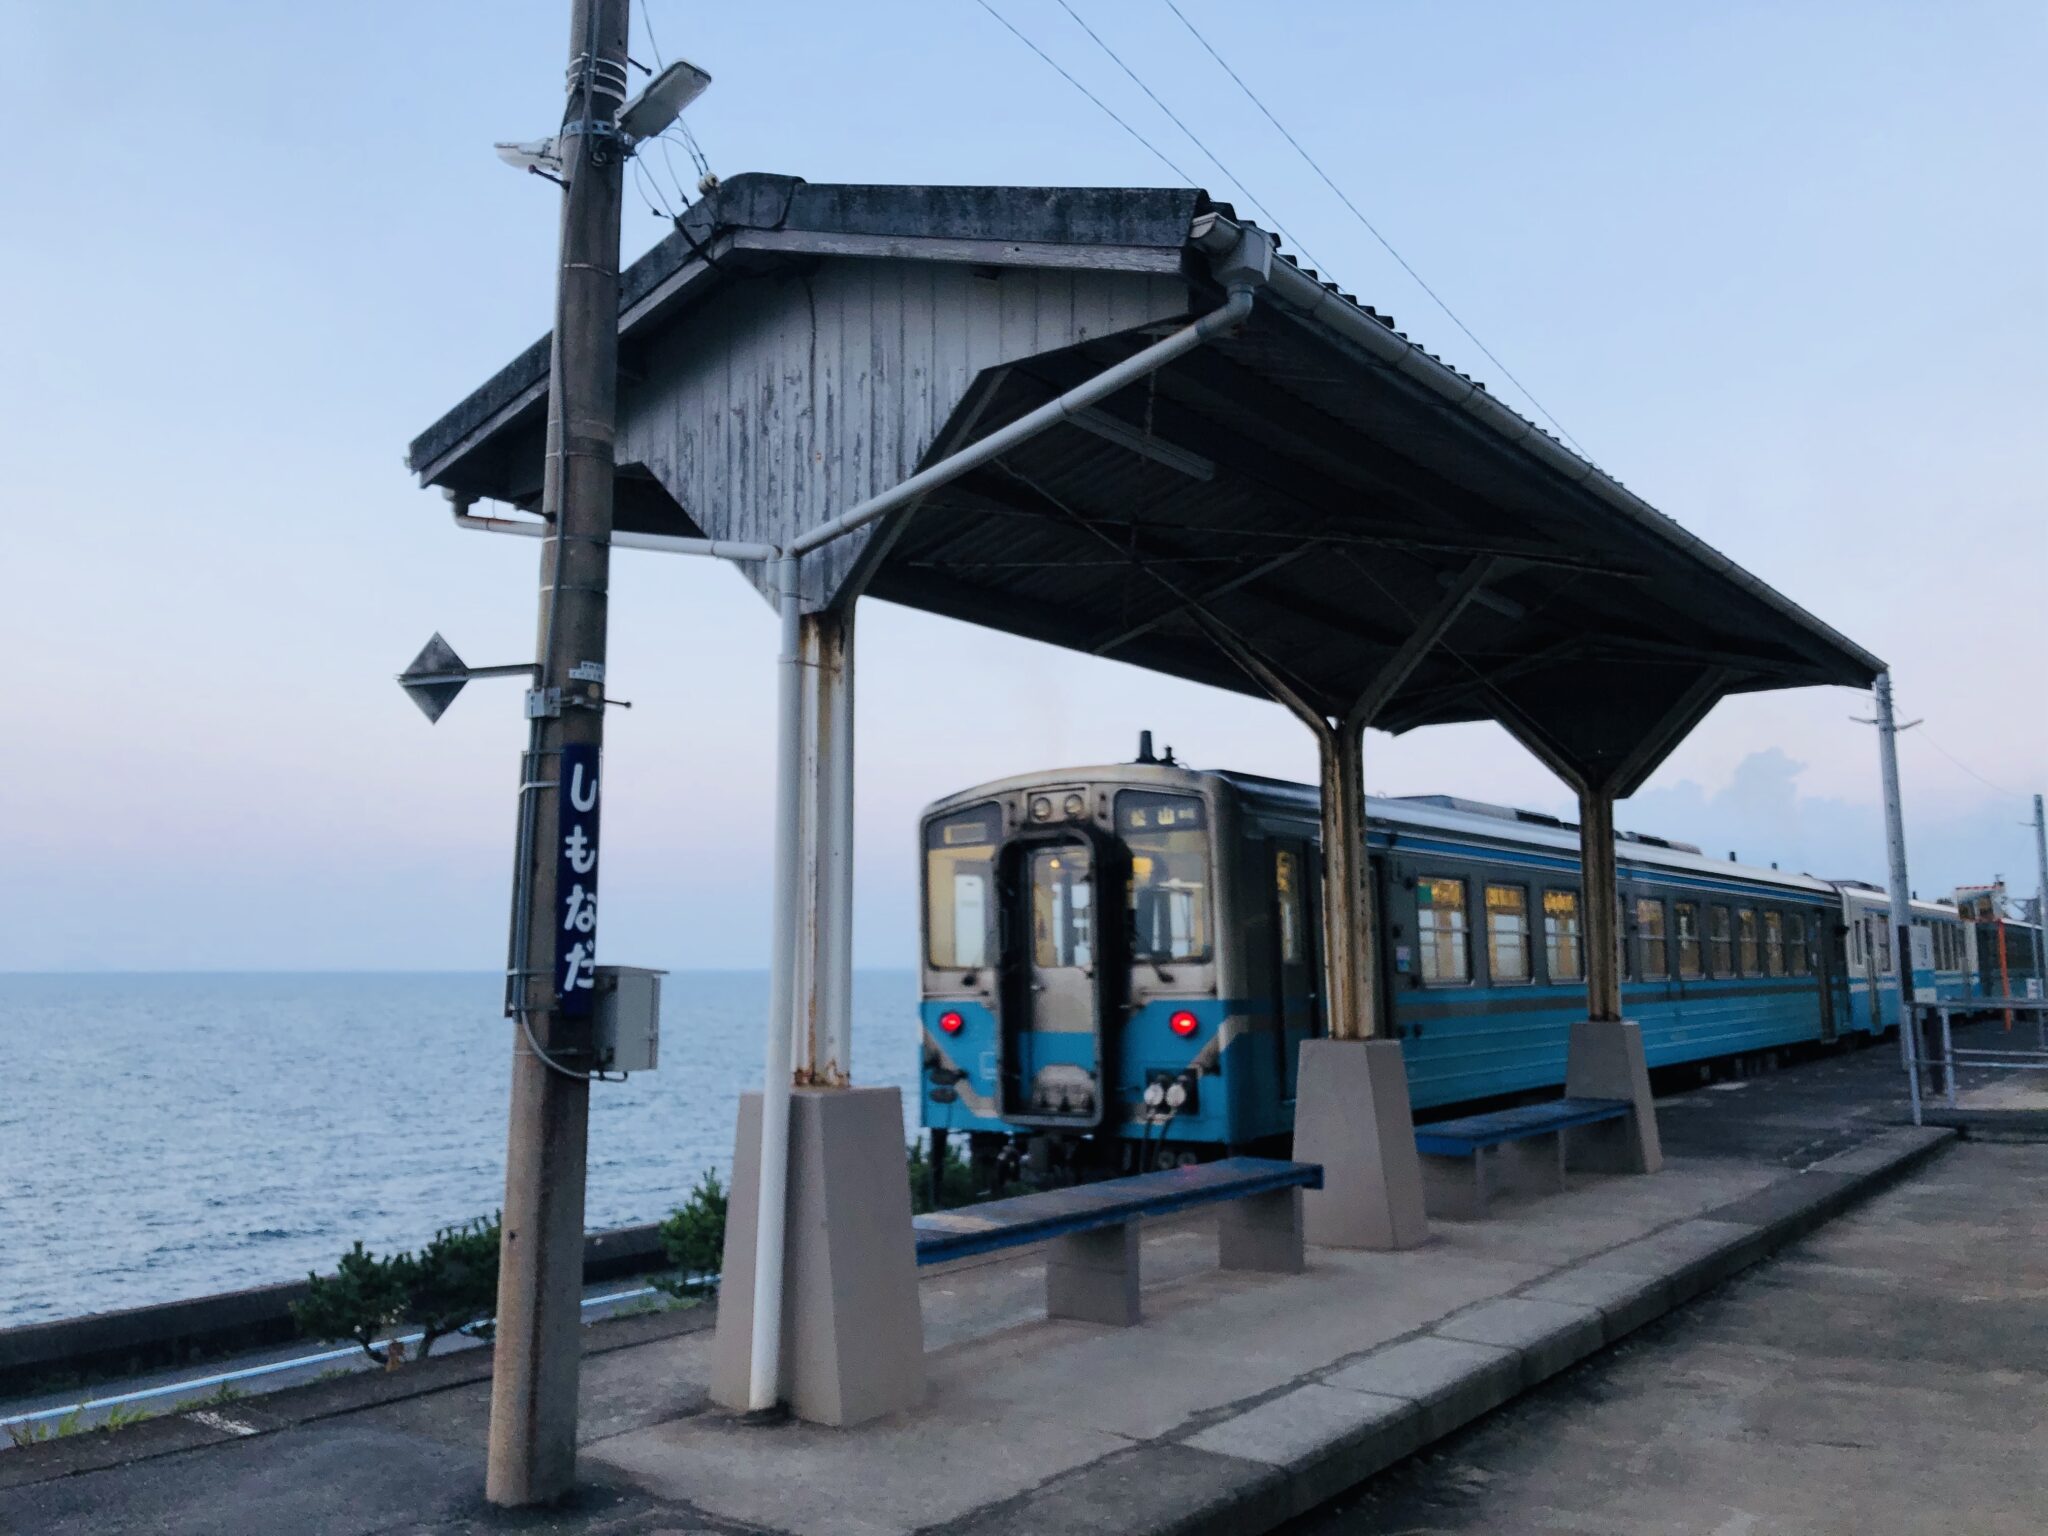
(1310, 495)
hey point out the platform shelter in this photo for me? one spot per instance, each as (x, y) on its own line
(1121, 421)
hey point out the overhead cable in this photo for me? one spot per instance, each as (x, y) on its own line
(1157, 152)
(1228, 174)
(1358, 214)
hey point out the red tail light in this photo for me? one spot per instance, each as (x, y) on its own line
(1184, 1023)
(951, 1022)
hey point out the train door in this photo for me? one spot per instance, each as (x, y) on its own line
(1053, 987)
(1867, 928)
(1382, 978)
(1828, 972)
(1295, 971)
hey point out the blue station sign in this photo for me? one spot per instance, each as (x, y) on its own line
(576, 880)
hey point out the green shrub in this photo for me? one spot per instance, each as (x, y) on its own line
(450, 1286)
(956, 1180)
(693, 1237)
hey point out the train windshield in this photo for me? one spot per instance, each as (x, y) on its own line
(1168, 839)
(959, 883)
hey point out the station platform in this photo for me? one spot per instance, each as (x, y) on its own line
(1242, 1401)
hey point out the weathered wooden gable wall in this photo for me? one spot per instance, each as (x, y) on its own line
(792, 397)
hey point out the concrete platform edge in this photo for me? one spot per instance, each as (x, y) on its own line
(1223, 1494)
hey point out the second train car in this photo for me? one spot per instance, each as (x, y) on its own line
(1120, 963)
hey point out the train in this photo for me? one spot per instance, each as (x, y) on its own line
(1119, 963)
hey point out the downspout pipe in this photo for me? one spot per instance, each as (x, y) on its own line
(1241, 261)
(764, 1354)
(661, 543)
(1229, 315)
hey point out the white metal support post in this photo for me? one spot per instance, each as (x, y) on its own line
(1895, 867)
(824, 999)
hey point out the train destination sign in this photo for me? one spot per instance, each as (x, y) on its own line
(576, 880)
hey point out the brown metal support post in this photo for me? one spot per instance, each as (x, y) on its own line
(532, 1457)
(1347, 885)
(1600, 915)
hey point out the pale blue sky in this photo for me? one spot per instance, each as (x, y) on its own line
(1778, 266)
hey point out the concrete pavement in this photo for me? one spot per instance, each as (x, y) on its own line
(1887, 1376)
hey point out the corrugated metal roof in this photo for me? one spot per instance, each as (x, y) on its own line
(1348, 486)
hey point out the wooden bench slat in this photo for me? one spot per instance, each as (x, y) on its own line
(1051, 1213)
(1459, 1138)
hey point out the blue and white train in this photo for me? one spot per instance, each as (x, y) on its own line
(1120, 963)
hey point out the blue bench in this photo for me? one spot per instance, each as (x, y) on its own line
(1464, 1160)
(1091, 1270)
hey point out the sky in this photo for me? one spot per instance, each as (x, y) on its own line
(1777, 267)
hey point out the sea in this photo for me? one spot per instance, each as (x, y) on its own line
(165, 1136)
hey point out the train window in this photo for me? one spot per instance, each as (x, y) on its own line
(1856, 945)
(1062, 907)
(1774, 943)
(1561, 935)
(959, 878)
(1881, 931)
(1440, 924)
(1168, 838)
(1745, 941)
(1507, 933)
(1685, 922)
(1287, 893)
(1720, 941)
(1795, 944)
(1651, 962)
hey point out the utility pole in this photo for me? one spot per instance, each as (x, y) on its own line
(1895, 848)
(550, 987)
(2041, 908)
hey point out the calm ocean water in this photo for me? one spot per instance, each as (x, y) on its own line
(168, 1136)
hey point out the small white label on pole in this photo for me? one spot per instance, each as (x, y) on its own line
(587, 672)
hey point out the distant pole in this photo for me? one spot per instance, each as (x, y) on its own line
(2041, 908)
(539, 1326)
(1895, 877)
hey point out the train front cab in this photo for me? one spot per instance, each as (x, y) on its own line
(1073, 983)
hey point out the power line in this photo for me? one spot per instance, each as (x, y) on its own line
(1358, 214)
(1973, 773)
(1228, 174)
(1157, 152)
(696, 154)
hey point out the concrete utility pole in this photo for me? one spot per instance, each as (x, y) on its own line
(539, 1327)
(1895, 851)
(2041, 909)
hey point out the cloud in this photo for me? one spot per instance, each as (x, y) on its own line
(1762, 816)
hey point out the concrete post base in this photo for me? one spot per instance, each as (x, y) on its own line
(1605, 1061)
(853, 1338)
(1352, 1117)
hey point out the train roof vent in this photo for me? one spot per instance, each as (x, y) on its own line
(1459, 803)
(1859, 885)
(1656, 842)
